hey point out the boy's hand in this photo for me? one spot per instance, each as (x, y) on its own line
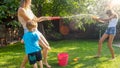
(22, 41)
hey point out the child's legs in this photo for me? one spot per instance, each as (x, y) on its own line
(40, 64)
(35, 65)
(25, 60)
(100, 43)
(110, 41)
(39, 59)
(34, 57)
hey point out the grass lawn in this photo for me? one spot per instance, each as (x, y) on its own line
(11, 56)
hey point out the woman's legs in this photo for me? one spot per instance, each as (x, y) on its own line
(45, 50)
(100, 44)
(110, 41)
(25, 60)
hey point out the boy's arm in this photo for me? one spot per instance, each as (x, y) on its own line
(22, 41)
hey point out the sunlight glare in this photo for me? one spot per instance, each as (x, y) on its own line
(115, 2)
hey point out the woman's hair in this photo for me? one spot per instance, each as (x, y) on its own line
(23, 3)
(31, 25)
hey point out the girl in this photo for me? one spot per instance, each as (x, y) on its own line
(109, 33)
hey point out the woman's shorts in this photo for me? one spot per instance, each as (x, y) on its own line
(34, 57)
(111, 30)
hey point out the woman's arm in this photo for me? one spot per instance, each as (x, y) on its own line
(40, 19)
(44, 18)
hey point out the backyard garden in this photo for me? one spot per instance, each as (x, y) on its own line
(74, 28)
(11, 56)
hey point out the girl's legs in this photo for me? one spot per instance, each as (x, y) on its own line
(45, 50)
(110, 40)
(100, 44)
(25, 60)
(40, 64)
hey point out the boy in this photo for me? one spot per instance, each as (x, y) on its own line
(32, 48)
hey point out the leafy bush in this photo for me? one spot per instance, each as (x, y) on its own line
(8, 12)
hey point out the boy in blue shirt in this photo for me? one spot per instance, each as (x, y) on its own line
(32, 48)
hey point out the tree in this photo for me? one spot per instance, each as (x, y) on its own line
(8, 20)
(8, 12)
(63, 8)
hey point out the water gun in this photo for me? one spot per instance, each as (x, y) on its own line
(95, 17)
(54, 18)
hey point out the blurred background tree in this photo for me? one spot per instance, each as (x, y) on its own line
(72, 10)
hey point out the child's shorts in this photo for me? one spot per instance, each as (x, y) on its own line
(111, 30)
(34, 57)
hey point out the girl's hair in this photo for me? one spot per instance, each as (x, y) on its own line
(109, 11)
(31, 25)
(22, 3)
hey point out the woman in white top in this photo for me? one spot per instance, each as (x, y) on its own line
(24, 15)
(109, 33)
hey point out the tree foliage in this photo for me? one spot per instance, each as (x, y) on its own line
(8, 9)
(64, 8)
(61, 7)
(8, 12)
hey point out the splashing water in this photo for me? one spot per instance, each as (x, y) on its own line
(101, 6)
(81, 19)
(98, 8)
(79, 15)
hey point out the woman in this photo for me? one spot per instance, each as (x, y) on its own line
(109, 33)
(25, 14)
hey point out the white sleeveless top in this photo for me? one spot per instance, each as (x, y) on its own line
(29, 13)
(113, 22)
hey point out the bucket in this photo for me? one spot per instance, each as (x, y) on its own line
(63, 59)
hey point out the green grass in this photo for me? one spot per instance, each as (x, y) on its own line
(11, 56)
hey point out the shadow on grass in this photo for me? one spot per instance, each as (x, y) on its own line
(11, 56)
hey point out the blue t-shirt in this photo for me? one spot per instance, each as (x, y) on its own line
(31, 41)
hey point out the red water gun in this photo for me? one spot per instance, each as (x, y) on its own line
(54, 18)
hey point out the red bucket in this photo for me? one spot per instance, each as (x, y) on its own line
(63, 59)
